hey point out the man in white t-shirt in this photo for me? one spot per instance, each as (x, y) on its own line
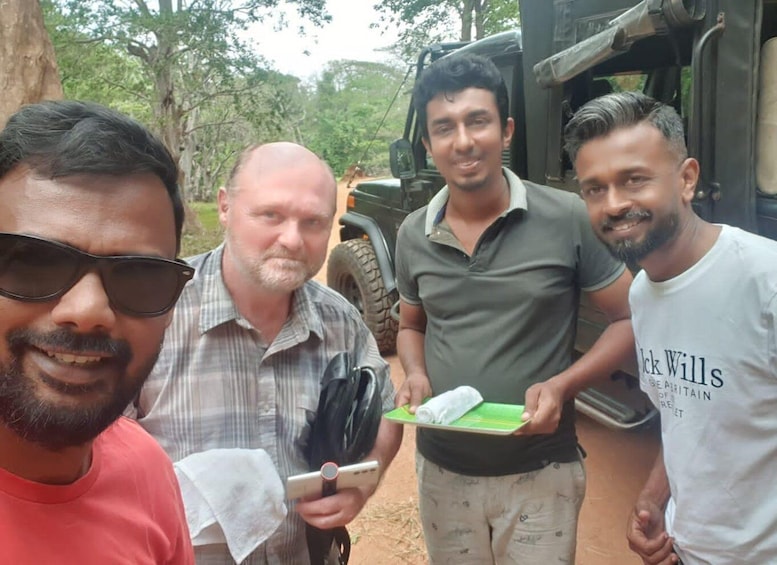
(704, 311)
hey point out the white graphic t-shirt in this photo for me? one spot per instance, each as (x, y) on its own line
(707, 354)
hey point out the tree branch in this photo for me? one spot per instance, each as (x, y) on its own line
(194, 105)
(143, 7)
(211, 124)
(177, 53)
(122, 87)
(87, 41)
(139, 50)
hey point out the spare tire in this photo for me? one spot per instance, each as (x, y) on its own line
(352, 270)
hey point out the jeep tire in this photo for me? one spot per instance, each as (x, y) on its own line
(352, 270)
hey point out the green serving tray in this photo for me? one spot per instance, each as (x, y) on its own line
(486, 418)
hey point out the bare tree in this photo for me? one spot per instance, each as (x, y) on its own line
(28, 69)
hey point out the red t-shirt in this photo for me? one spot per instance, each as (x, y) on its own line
(126, 509)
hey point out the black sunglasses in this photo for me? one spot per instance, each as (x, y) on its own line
(33, 269)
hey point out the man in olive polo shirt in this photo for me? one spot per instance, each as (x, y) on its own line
(490, 274)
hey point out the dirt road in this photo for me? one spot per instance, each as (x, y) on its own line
(388, 530)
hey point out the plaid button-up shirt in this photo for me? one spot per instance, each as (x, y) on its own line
(218, 385)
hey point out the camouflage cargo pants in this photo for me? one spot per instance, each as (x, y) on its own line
(528, 518)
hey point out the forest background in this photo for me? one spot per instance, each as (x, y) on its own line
(187, 69)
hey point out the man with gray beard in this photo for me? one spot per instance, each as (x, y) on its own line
(251, 337)
(89, 229)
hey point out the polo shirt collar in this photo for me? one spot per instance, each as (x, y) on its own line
(435, 210)
(218, 308)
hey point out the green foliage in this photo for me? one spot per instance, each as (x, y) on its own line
(208, 215)
(502, 15)
(418, 23)
(208, 235)
(188, 75)
(350, 100)
(268, 110)
(91, 70)
(423, 22)
(184, 65)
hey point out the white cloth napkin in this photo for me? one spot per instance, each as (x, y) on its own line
(232, 496)
(448, 406)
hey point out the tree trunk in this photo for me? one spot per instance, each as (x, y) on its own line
(481, 7)
(468, 6)
(28, 69)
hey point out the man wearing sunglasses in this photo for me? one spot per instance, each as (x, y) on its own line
(249, 342)
(90, 225)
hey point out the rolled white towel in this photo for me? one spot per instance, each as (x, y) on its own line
(448, 406)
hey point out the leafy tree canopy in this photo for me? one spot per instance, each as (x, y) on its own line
(352, 118)
(423, 22)
(187, 61)
(190, 72)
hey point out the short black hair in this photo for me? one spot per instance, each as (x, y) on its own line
(454, 73)
(601, 116)
(57, 139)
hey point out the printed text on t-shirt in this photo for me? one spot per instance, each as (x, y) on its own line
(678, 374)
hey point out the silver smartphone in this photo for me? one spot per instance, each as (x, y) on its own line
(332, 478)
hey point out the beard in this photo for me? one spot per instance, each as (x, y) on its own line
(472, 184)
(280, 274)
(632, 252)
(53, 425)
(275, 270)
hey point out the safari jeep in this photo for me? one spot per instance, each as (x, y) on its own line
(715, 61)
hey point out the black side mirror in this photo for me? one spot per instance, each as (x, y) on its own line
(401, 159)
